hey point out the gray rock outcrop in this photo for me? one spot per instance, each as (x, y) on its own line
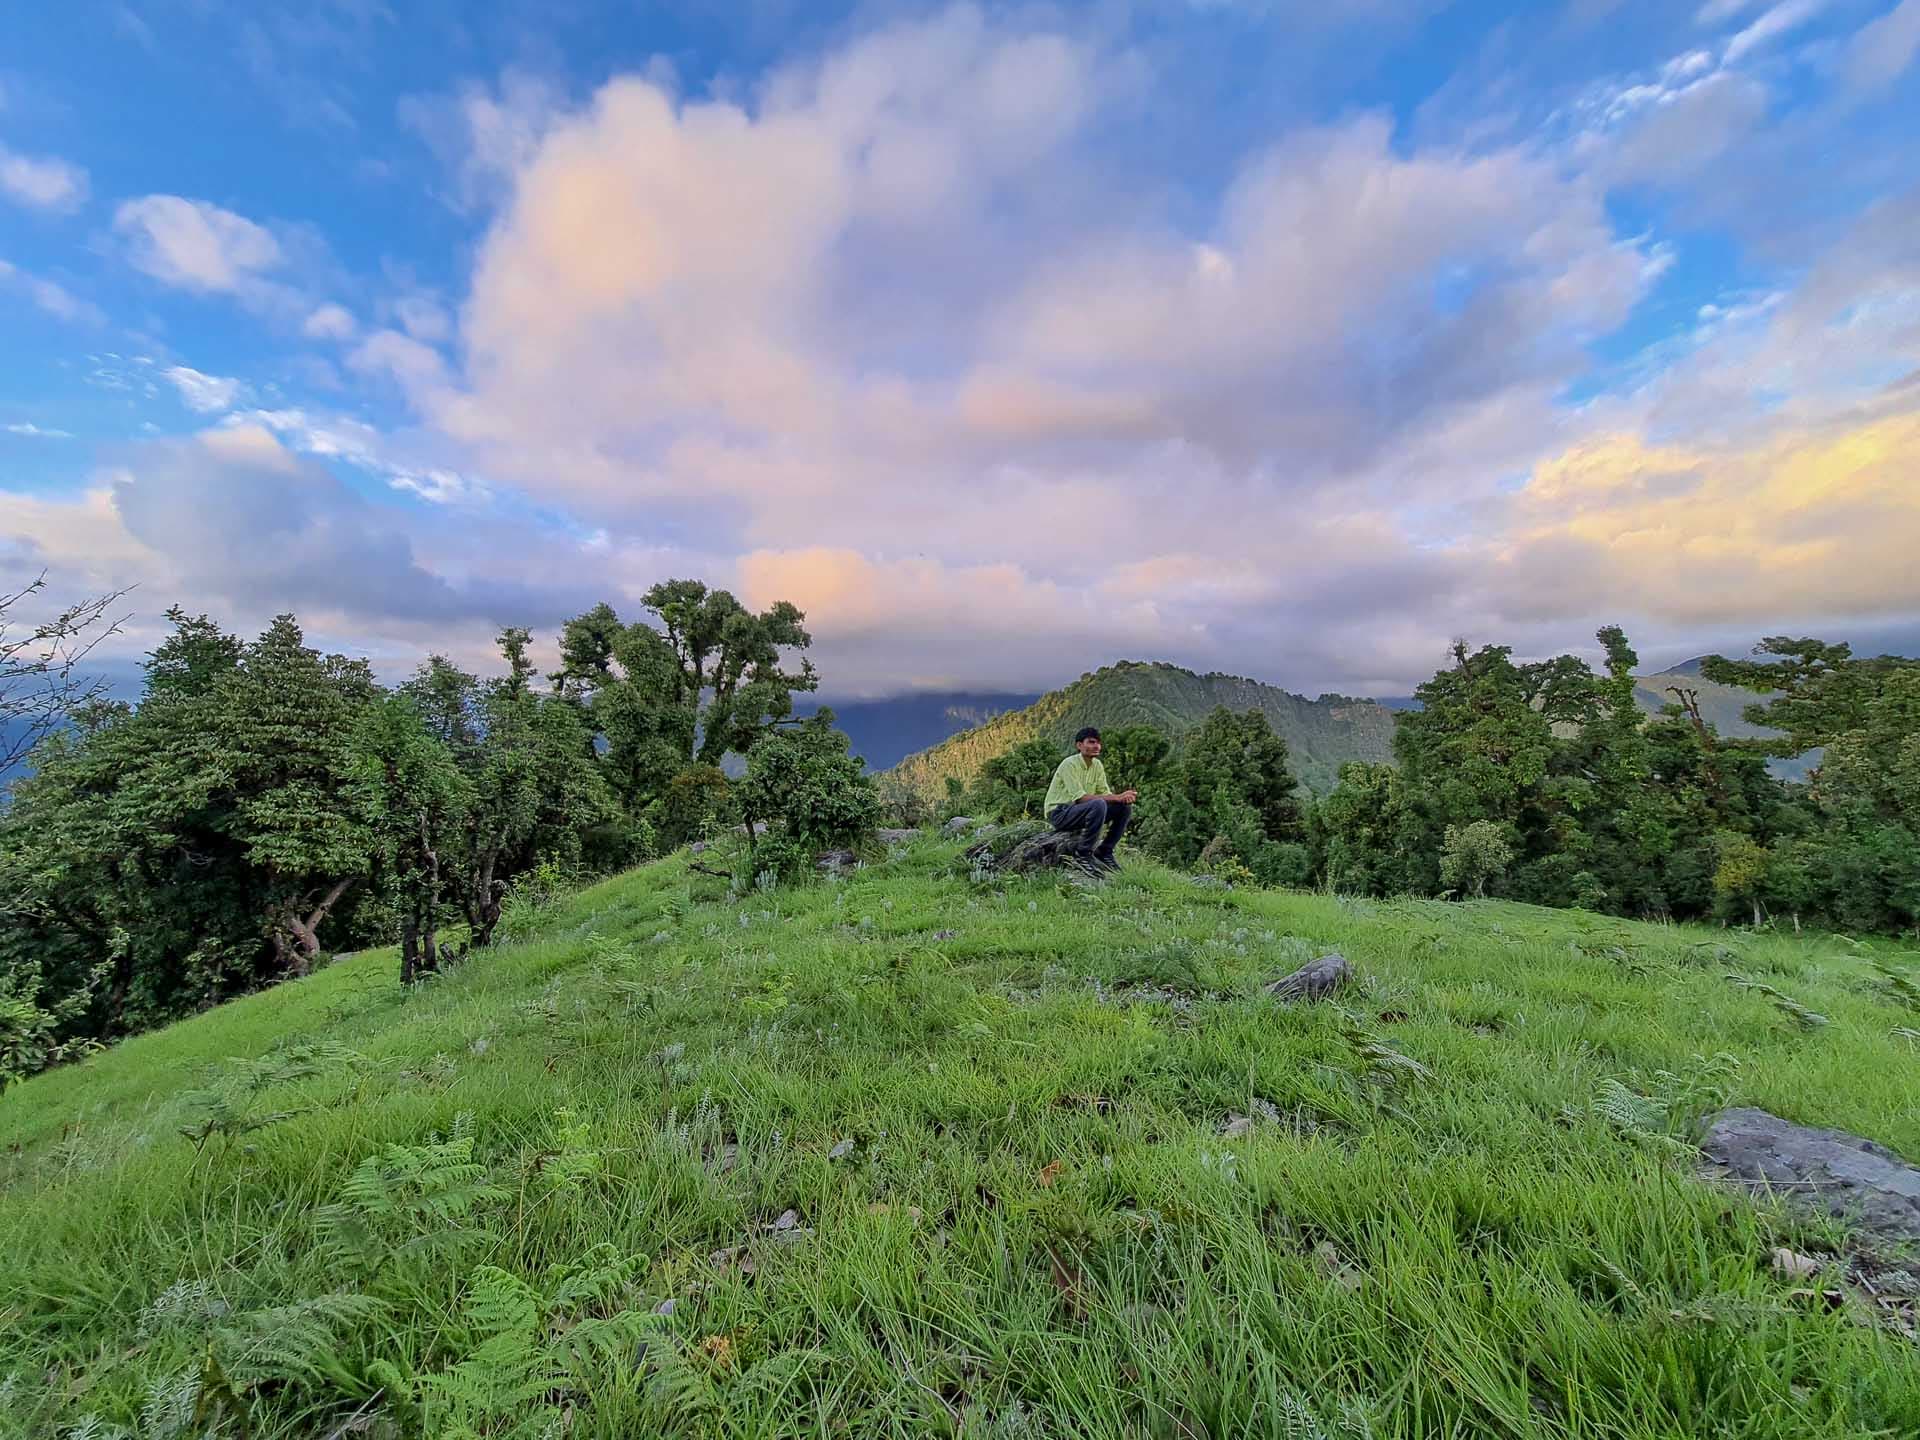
(1817, 1171)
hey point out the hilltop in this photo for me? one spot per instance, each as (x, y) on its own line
(1322, 734)
(909, 1154)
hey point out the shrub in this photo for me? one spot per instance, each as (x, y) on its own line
(1471, 855)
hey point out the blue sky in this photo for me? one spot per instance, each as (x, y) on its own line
(1284, 338)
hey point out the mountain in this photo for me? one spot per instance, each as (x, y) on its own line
(1322, 734)
(1720, 707)
(885, 732)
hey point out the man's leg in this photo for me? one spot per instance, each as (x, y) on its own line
(1118, 813)
(1082, 820)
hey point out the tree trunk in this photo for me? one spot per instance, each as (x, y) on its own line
(1756, 912)
(409, 949)
(305, 932)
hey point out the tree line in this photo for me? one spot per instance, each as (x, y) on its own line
(263, 804)
(1546, 782)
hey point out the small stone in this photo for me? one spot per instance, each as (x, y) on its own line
(1236, 1127)
(1792, 1264)
(839, 1152)
(958, 825)
(786, 1221)
(666, 1307)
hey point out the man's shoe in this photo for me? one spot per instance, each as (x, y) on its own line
(1107, 864)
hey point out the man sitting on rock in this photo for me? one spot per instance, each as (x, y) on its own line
(1079, 803)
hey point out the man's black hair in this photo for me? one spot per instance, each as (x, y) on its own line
(1088, 733)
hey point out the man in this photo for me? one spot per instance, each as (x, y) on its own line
(1079, 804)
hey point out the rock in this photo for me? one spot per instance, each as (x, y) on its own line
(836, 862)
(896, 837)
(1315, 980)
(958, 825)
(1816, 1171)
(1029, 849)
(1236, 1127)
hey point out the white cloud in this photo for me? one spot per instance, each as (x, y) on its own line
(42, 182)
(1883, 49)
(32, 431)
(196, 245)
(53, 298)
(1782, 19)
(205, 394)
(329, 322)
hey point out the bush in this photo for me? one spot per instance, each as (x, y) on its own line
(811, 793)
(1471, 855)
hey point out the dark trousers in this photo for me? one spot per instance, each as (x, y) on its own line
(1087, 818)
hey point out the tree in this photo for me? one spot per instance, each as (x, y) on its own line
(417, 798)
(1234, 778)
(41, 681)
(1741, 873)
(809, 792)
(534, 791)
(705, 681)
(1472, 855)
(283, 747)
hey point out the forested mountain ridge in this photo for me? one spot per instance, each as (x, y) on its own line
(1321, 734)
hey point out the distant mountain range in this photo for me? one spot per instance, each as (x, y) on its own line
(1720, 706)
(1322, 734)
(885, 732)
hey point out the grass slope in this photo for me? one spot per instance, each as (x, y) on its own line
(914, 1156)
(1322, 734)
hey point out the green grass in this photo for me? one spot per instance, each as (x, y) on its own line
(996, 1117)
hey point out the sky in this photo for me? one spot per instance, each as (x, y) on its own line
(1278, 337)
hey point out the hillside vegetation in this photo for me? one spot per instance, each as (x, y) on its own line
(1321, 734)
(912, 1154)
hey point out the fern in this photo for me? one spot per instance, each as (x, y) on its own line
(1898, 985)
(295, 1341)
(408, 1202)
(1788, 1006)
(1659, 1111)
(533, 1348)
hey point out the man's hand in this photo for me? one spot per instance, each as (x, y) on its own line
(1126, 797)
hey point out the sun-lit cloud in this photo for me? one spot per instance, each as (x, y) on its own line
(1807, 524)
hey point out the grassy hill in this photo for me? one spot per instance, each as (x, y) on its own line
(911, 1156)
(1322, 734)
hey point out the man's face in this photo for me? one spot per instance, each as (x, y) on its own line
(1089, 749)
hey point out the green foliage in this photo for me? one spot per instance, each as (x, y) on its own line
(1473, 854)
(408, 1205)
(531, 1352)
(808, 790)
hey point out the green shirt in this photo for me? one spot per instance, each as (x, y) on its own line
(1074, 780)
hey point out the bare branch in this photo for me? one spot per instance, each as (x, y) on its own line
(41, 683)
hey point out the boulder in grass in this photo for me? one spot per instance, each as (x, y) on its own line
(1028, 848)
(1316, 980)
(958, 825)
(896, 836)
(1818, 1172)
